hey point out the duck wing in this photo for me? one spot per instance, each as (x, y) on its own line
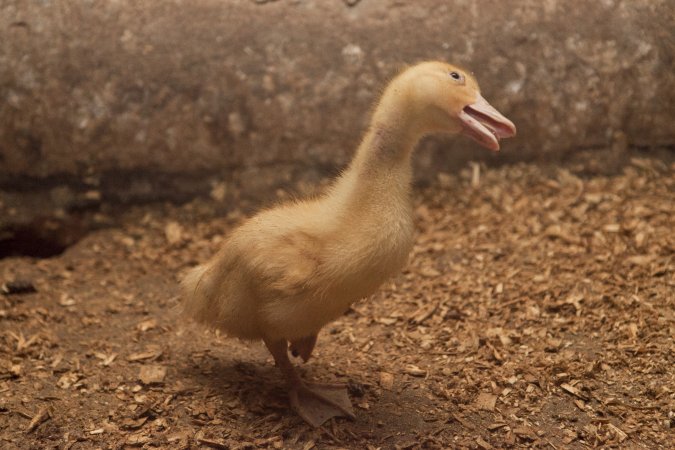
(286, 265)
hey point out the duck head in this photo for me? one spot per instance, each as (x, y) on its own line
(442, 97)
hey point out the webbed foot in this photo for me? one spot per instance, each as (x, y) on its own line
(317, 403)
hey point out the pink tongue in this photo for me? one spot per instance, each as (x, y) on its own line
(498, 127)
(483, 123)
(476, 131)
(491, 118)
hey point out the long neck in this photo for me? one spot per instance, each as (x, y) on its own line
(390, 139)
(381, 168)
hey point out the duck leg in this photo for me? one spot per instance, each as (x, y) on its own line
(315, 403)
(303, 347)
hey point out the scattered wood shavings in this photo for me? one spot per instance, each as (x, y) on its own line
(574, 391)
(173, 232)
(415, 371)
(152, 374)
(386, 380)
(486, 401)
(146, 325)
(535, 311)
(43, 415)
(150, 354)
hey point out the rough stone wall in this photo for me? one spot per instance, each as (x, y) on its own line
(143, 100)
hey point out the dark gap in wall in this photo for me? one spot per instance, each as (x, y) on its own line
(42, 238)
(25, 243)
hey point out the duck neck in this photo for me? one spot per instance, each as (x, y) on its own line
(380, 173)
(385, 151)
(384, 148)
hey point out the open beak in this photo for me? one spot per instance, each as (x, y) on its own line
(484, 124)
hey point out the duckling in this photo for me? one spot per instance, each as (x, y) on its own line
(288, 271)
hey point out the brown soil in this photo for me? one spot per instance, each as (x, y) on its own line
(536, 311)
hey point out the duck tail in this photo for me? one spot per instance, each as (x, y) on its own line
(194, 294)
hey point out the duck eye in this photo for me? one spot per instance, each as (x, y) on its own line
(455, 76)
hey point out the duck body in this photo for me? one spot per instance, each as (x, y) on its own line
(342, 246)
(288, 271)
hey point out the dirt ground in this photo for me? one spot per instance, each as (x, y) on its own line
(537, 311)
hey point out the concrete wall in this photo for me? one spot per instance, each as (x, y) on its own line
(153, 99)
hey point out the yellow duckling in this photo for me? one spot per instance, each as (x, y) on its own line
(288, 271)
